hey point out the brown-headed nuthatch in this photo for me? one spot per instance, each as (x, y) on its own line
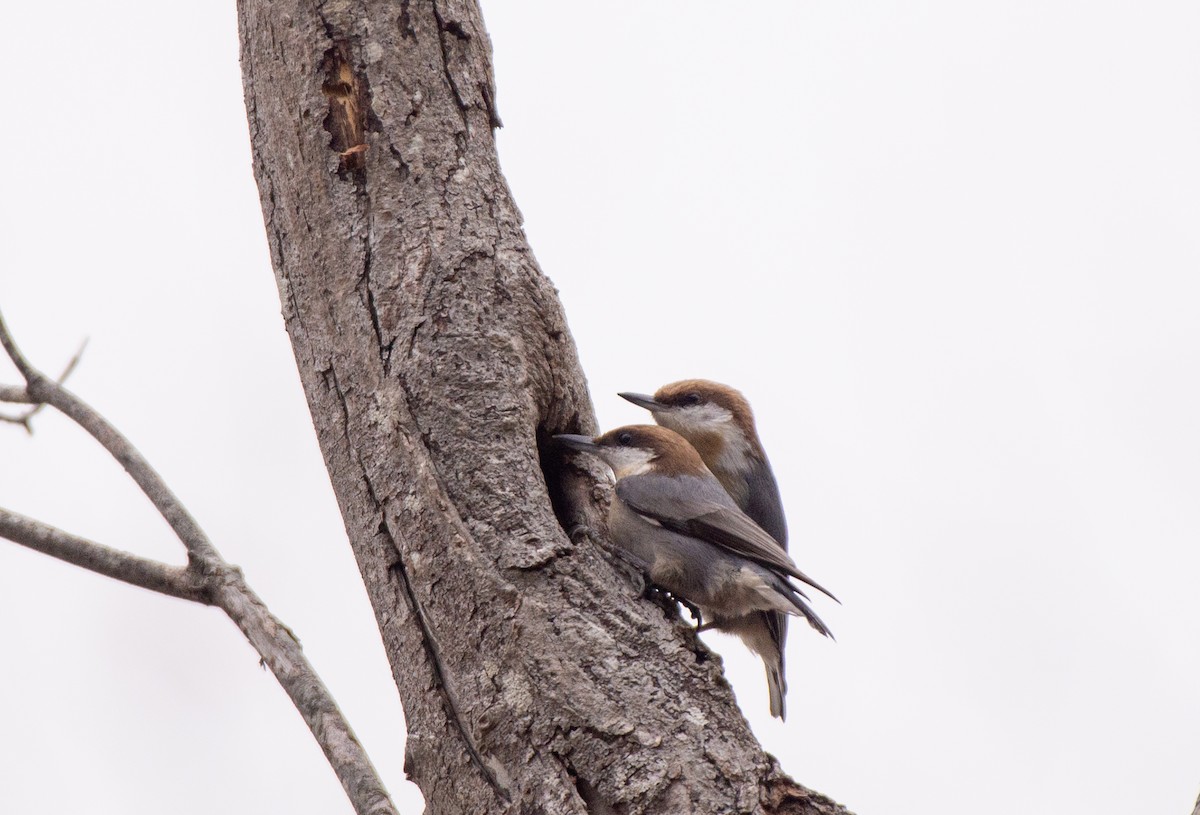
(671, 514)
(718, 422)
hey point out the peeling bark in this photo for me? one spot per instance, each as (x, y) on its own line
(437, 363)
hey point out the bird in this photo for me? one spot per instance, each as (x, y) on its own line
(717, 420)
(672, 515)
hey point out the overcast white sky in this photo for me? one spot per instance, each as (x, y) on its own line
(949, 250)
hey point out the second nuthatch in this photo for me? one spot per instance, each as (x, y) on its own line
(673, 516)
(717, 420)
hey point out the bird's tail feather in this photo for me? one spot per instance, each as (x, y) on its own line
(807, 613)
(776, 688)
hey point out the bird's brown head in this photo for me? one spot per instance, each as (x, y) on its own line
(640, 448)
(708, 414)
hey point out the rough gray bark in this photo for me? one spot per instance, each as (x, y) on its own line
(437, 362)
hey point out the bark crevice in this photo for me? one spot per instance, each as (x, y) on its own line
(453, 708)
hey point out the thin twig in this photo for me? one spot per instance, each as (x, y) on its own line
(164, 578)
(16, 395)
(206, 579)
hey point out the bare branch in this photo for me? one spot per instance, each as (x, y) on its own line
(42, 389)
(29, 414)
(227, 589)
(206, 579)
(281, 653)
(27, 371)
(15, 395)
(21, 395)
(175, 581)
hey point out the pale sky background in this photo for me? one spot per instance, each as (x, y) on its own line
(949, 250)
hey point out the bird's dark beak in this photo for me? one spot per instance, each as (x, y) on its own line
(642, 400)
(583, 444)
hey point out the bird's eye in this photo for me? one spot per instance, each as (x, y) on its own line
(691, 399)
(625, 439)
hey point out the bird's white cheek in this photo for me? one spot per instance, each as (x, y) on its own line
(694, 419)
(628, 461)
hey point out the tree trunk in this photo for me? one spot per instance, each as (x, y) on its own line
(437, 363)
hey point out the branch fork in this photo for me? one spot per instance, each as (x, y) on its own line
(206, 578)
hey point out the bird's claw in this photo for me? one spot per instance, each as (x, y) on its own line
(670, 602)
(661, 598)
(694, 610)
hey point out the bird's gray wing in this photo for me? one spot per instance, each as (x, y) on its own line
(699, 506)
(763, 503)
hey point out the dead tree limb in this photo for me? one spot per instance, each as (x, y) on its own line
(206, 579)
(173, 581)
